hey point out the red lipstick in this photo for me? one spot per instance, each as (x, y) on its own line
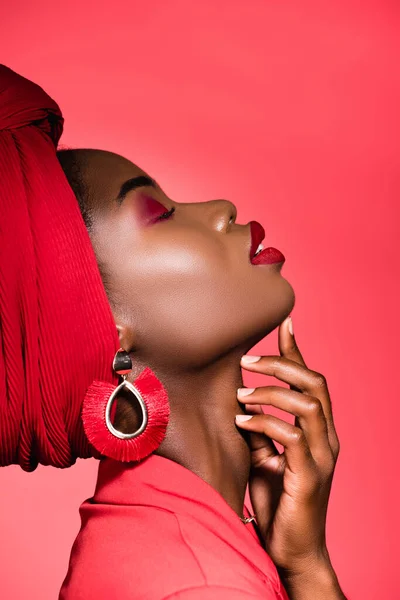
(267, 256)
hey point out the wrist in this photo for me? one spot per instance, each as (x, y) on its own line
(317, 580)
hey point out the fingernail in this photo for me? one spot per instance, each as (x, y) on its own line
(247, 358)
(245, 391)
(290, 325)
(241, 418)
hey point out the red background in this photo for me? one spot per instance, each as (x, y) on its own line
(290, 110)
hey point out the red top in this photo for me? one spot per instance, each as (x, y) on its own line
(154, 530)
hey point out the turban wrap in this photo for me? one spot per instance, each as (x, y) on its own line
(56, 326)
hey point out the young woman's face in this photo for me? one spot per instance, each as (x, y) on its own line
(183, 282)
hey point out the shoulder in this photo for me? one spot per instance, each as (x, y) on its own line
(126, 552)
(216, 592)
(122, 550)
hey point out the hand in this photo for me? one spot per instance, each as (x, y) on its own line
(289, 492)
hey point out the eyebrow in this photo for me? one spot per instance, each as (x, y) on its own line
(133, 184)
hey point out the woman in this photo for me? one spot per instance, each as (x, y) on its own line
(188, 300)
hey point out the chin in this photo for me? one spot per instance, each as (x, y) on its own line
(284, 304)
(290, 298)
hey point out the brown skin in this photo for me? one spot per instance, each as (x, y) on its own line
(290, 491)
(188, 303)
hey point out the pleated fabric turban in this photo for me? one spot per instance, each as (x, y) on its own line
(56, 326)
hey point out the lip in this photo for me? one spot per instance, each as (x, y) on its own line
(267, 256)
(257, 234)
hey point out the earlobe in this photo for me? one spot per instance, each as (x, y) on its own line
(120, 330)
(126, 337)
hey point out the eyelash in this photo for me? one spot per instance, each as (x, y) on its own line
(166, 215)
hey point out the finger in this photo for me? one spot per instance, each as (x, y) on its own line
(287, 342)
(299, 376)
(289, 349)
(297, 452)
(307, 409)
(261, 446)
(254, 409)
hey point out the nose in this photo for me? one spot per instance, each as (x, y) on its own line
(222, 213)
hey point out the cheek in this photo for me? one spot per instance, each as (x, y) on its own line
(179, 256)
(180, 293)
(179, 271)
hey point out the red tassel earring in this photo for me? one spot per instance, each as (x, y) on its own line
(97, 413)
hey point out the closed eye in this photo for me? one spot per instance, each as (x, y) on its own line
(166, 215)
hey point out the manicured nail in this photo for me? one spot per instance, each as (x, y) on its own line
(248, 358)
(290, 325)
(241, 418)
(245, 391)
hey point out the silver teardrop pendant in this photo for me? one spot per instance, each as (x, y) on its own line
(135, 392)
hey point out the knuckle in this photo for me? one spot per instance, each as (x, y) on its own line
(334, 443)
(260, 457)
(319, 380)
(297, 436)
(314, 406)
(266, 423)
(336, 449)
(277, 363)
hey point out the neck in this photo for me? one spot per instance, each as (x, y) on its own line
(202, 435)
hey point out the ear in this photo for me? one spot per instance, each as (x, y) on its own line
(126, 336)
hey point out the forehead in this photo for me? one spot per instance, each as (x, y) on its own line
(104, 172)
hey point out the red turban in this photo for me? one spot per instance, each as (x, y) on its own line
(56, 326)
